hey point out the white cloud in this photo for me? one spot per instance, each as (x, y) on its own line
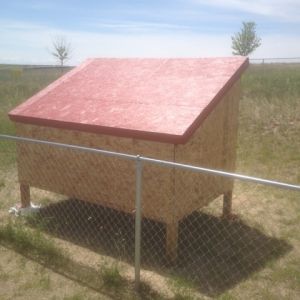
(30, 46)
(134, 27)
(279, 46)
(152, 45)
(18, 44)
(288, 10)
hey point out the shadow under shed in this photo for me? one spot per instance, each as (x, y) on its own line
(213, 253)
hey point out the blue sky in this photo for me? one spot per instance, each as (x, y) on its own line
(178, 28)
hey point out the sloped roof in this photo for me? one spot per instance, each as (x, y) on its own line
(154, 99)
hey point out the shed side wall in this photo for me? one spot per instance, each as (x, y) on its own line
(213, 145)
(96, 178)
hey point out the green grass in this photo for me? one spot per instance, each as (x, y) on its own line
(42, 283)
(111, 276)
(226, 296)
(290, 274)
(77, 296)
(182, 288)
(274, 81)
(31, 242)
(16, 85)
(270, 122)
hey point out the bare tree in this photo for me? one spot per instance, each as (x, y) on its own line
(245, 41)
(61, 49)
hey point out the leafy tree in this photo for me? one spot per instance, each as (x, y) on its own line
(245, 41)
(61, 49)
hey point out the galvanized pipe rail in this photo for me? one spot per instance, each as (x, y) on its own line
(157, 162)
(222, 173)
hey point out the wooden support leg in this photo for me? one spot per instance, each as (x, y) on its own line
(172, 241)
(25, 195)
(227, 204)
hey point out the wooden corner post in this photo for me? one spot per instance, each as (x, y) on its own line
(227, 204)
(25, 195)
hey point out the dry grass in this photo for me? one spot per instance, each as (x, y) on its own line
(22, 278)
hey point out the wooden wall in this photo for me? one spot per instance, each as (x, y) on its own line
(213, 146)
(91, 177)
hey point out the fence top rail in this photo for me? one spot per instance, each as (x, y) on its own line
(164, 163)
(223, 173)
(68, 146)
(267, 58)
(275, 60)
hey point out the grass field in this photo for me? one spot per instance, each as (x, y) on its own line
(31, 266)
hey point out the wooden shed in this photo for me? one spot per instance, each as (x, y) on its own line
(183, 110)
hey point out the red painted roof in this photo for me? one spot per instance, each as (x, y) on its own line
(154, 99)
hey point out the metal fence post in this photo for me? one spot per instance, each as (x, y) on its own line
(138, 221)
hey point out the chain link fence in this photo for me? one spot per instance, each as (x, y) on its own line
(275, 60)
(88, 201)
